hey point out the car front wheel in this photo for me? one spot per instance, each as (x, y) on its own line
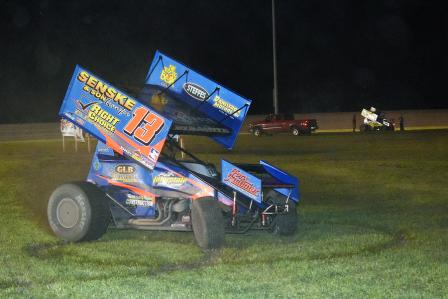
(78, 211)
(295, 131)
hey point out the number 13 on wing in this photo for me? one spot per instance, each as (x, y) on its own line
(144, 125)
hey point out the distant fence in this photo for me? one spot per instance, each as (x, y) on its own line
(328, 122)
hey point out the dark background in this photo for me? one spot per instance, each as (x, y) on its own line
(333, 55)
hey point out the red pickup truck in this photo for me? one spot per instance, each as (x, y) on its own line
(283, 123)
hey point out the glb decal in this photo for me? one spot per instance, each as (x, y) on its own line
(238, 179)
(125, 169)
(196, 91)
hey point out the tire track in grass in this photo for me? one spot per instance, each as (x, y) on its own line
(49, 251)
(398, 239)
(40, 251)
(209, 258)
(10, 283)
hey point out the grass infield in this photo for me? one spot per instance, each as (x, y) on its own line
(374, 224)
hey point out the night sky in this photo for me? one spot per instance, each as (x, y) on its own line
(334, 55)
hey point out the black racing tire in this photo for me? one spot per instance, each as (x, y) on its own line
(78, 211)
(283, 224)
(257, 132)
(208, 223)
(295, 131)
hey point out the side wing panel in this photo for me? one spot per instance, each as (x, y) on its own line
(285, 178)
(221, 105)
(115, 118)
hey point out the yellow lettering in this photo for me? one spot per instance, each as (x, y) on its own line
(95, 109)
(111, 92)
(83, 76)
(129, 104)
(120, 98)
(92, 81)
(101, 87)
(103, 91)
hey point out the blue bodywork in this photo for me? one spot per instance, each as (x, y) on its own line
(217, 103)
(131, 167)
(137, 187)
(114, 117)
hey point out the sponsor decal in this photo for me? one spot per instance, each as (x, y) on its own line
(104, 92)
(102, 117)
(168, 74)
(125, 173)
(196, 91)
(225, 106)
(168, 180)
(124, 169)
(134, 200)
(154, 153)
(138, 156)
(238, 179)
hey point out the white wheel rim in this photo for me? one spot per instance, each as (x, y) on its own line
(67, 213)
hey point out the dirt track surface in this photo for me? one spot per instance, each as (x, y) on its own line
(29, 131)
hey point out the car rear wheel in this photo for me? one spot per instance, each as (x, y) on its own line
(208, 223)
(257, 132)
(78, 211)
(283, 224)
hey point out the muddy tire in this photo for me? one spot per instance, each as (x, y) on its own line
(78, 211)
(208, 223)
(283, 224)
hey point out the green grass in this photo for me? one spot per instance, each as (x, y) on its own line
(374, 223)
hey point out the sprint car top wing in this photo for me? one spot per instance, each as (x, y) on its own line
(196, 104)
(115, 118)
